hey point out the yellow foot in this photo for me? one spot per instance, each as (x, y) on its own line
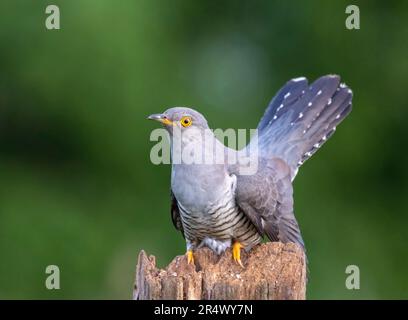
(190, 257)
(236, 253)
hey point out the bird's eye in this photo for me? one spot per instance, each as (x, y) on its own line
(186, 121)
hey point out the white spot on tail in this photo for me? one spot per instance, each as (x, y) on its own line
(300, 115)
(295, 173)
(319, 92)
(329, 102)
(286, 95)
(275, 117)
(309, 104)
(280, 107)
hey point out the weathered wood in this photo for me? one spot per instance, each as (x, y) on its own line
(272, 271)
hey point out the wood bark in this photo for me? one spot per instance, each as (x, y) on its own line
(272, 271)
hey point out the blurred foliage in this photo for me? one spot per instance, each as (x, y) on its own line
(77, 187)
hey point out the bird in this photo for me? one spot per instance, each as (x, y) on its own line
(215, 204)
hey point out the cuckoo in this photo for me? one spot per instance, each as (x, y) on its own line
(215, 204)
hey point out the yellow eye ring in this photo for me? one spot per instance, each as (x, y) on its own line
(186, 121)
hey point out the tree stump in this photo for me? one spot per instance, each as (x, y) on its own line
(271, 271)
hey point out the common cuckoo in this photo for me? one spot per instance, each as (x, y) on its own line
(215, 205)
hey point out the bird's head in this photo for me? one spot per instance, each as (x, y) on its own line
(181, 118)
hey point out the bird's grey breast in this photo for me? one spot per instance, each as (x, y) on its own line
(205, 195)
(198, 187)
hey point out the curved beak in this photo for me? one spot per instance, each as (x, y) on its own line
(160, 117)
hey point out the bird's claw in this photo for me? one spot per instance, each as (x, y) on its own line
(190, 257)
(236, 253)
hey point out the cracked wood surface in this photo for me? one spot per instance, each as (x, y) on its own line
(272, 271)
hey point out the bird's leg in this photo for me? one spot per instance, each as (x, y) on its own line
(189, 253)
(190, 257)
(236, 253)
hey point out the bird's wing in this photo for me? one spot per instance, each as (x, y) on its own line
(266, 197)
(175, 213)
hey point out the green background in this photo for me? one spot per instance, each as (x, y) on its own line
(77, 188)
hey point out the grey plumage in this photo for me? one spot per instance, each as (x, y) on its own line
(214, 204)
(301, 118)
(267, 199)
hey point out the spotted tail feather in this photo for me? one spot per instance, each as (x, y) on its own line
(301, 118)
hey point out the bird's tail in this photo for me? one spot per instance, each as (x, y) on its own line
(301, 118)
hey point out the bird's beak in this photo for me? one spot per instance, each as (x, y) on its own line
(161, 118)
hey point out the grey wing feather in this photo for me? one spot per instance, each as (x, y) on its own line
(267, 199)
(175, 213)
